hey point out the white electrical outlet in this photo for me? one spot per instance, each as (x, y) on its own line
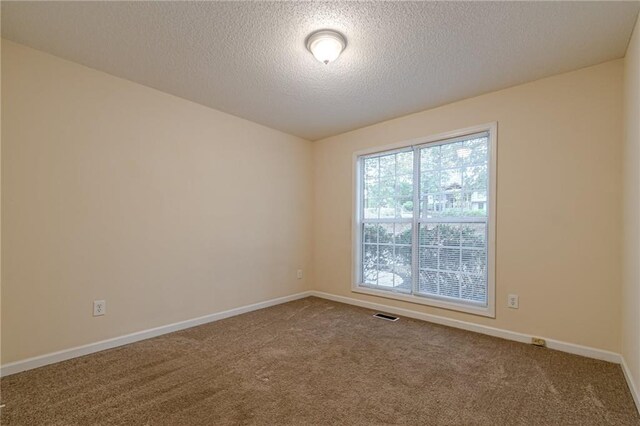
(299, 274)
(512, 301)
(99, 307)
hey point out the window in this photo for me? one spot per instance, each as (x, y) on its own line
(424, 227)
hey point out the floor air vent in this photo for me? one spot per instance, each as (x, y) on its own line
(386, 317)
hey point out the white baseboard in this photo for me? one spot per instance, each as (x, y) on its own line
(483, 329)
(51, 358)
(631, 383)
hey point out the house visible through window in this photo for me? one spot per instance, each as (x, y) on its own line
(424, 223)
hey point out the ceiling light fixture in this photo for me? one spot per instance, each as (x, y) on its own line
(326, 45)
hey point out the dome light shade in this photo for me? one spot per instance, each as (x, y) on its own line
(326, 45)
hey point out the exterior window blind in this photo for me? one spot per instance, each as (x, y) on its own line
(424, 220)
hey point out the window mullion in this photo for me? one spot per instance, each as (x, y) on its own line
(361, 220)
(415, 243)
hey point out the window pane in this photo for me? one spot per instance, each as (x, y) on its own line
(371, 169)
(402, 268)
(433, 205)
(370, 274)
(387, 166)
(454, 179)
(404, 163)
(477, 150)
(404, 206)
(449, 284)
(370, 264)
(474, 204)
(385, 255)
(428, 282)
(371, 208)
(370, 233)
(429, 258)
(387, 263)
(449, 234)
(451, 180)
(385, 233)
(385, 277)
(473, 234)
(453, 155)
(371, 254)
(388, 207)
(430, 183)
(402, 233)
(430, 158)
(453, 260)
(429, 234)
(404, 186)
(474, 261)
(475, 178)
(388, 186)
(449, 259)
(473, 288)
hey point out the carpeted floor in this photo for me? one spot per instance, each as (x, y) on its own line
(318, 362)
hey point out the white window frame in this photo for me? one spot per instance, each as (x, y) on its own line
(357, 286)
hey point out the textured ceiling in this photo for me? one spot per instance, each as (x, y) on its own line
(249, 59)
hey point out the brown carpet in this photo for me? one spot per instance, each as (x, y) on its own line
(318, 362)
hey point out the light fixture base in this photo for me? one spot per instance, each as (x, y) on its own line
(326, 45)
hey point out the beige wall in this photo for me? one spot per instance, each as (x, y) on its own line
(631, 247)
(165, 208)
(558, 202)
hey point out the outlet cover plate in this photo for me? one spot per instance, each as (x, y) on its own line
(99, 307)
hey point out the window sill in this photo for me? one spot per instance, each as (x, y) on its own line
(485, 311)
